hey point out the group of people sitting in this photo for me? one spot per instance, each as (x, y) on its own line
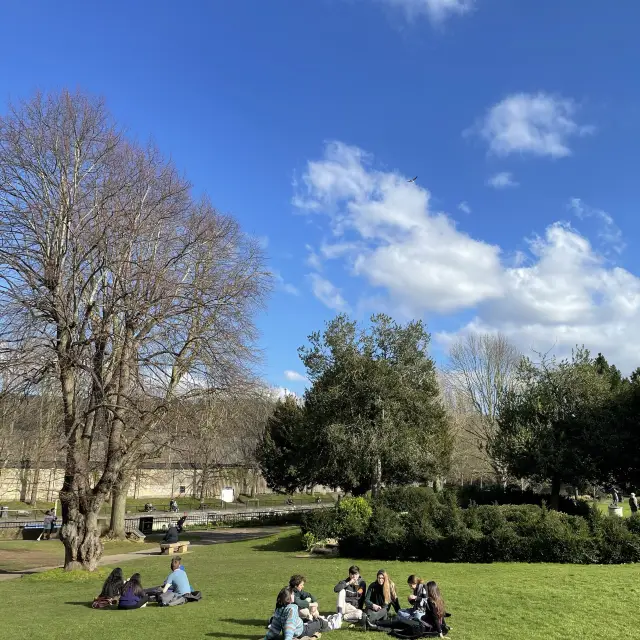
(297, 615)
(130, 594)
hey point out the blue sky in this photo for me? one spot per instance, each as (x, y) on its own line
(305, 120)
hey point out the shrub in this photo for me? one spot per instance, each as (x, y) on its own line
(352, 516)
(322, 523)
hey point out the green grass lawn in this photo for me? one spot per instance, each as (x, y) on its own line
(278, 500)
(18, 555)
(136, 505)
(240, 582)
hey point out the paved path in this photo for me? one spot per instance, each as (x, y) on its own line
(217, 536)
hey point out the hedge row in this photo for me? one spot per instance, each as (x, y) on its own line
(413, 523)
(497, 494)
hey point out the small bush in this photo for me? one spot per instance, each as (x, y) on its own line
(352, 516)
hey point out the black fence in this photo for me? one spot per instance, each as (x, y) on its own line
(272, 516)
(150, 522)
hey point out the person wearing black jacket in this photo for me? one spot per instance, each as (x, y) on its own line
(351, 592)
(381, 596)
(171, 536)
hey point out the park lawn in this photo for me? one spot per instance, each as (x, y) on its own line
(279, 500)
(18, 555)
(240, 581)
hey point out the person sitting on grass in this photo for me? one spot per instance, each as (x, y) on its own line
(307, 604)
(287, 623)
(111, 590)
(176, 586)
(381, 596)
(429, 625)
(418, 599)
(133, 595)
(351, 592)
(435, 612)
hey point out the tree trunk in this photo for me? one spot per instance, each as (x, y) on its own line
(79, 533)
(376, 484)
(118, 507)
(556, 485)
(35, 483)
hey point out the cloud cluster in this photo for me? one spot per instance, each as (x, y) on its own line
(502, 180)
(436, 10)
(532, 123)
(559, 292)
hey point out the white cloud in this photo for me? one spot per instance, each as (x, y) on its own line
(464, 207)
(313, 259)
(556, 291)
(327, 293)
(294, 376)
(390, 236)
(285, 286)
(502, 180)
(539, 124)
(610, 234)
(436, 10)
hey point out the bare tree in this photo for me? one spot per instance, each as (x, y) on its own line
(112, 277)
(480, 371)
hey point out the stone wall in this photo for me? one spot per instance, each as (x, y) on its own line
(16, 484)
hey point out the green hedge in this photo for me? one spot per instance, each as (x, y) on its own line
(415, 523)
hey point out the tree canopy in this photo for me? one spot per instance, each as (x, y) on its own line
(372, 415)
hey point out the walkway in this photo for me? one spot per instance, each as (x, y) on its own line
(197, 538)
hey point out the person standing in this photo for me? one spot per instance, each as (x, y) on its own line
(633, 503)
(48, 524)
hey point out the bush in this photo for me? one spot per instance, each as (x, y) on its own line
(352, 516)
(497, 494)
(413, 523)
(322, 523)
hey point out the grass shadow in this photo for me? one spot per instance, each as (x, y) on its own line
(84, 603)
(247, 623)
(240, 636)
(290, 543)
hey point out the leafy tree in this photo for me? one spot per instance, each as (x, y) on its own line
(280, 450)
(372, 415)
(546, 429)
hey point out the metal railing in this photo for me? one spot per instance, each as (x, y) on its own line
(162, 522)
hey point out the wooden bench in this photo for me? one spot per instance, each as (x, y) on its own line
(174, 547)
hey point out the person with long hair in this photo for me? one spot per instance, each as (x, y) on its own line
(133, 594)
(286, 622)
(381, 596)
(435, 611)
(429, 625)
(111, 590)
(418, 599)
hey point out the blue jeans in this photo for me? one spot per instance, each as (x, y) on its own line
(410, 614)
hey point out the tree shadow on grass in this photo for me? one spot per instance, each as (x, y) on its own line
(290, 543)
(247, 623)
(84, 603)
(240, 636)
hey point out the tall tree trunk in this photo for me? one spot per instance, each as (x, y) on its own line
(556, 485)
(376, 484)
(119, 506)
(79, 533)
(35, 483)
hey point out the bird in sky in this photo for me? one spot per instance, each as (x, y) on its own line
(413, 179)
